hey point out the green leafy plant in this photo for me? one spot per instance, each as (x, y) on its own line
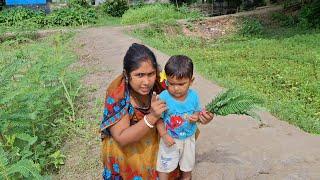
(251, 27)
(311, 13)
(78, 3)
(57, 158)
(234, 102)
(13, 16)
(68, 16)
(24, 168)
(36, 107)
(115, 8)
(283, 19)
(72, 17)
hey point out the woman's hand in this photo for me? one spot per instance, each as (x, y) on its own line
(157, 108)
(205, 117)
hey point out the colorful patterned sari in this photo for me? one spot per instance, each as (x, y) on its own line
(134, 161)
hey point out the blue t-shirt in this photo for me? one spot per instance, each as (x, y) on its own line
(176, 117)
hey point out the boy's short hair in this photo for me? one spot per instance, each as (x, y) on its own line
(179, 66)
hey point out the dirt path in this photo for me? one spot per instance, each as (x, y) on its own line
(232, 147)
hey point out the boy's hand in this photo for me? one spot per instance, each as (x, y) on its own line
(168, 140)
(205, 116)
(194, 117)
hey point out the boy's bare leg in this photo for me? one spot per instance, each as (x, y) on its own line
(163, 176)
(186, 175)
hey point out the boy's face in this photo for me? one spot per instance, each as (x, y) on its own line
(178, 88)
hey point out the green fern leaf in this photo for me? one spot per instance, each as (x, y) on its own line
(26, 137)
(3, 158)
(25, 168)
(234, 102)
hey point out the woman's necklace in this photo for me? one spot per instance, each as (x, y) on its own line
(142, 105)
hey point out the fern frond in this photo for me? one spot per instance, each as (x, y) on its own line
(25, 168)
(26, 137)
(3, 158)
(234, 102)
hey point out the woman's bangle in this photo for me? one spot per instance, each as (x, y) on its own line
(145, 118)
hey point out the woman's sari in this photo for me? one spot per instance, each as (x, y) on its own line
(136, 160)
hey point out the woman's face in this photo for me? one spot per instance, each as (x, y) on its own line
(142, 79)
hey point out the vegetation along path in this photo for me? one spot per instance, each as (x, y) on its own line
(232, 147)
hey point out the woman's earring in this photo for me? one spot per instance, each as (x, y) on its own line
(125, 77)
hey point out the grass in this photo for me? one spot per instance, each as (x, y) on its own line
(284, 70)
(106, 20)
(156, 12)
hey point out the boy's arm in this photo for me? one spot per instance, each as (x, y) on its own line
(168, 140)
(197, 108)
(161, 128)
(194, 117)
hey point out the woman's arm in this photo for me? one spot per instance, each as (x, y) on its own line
(125, 134)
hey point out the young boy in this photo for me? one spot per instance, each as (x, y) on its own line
(177, 143)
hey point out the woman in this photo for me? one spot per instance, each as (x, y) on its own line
(129, 139)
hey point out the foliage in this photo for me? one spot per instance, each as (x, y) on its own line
(69, 16)
(115, 8)
(156, 12)
(306, 17)
(311, 13)
(250, 4)
(283, 19)
(35, 111)
(138, 4)
(234, 102)
(281, 67)
(251, 27)
(72, 17)
(182, 2)
(78, 3)
(13, 16)
(26, 168)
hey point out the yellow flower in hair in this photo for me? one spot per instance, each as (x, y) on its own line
(163, 76)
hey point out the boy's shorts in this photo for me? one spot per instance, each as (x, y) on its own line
(182, 153)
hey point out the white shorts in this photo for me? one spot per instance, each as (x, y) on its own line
(182, 153)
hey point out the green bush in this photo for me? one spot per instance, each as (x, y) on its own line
(156, 12)
(115, 8)
(307, 17)
(251, 27)
(78, 3)
(283, 19)
(311, 13)
(71, 17)
(13, 16)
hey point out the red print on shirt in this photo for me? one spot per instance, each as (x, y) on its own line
(175, 121)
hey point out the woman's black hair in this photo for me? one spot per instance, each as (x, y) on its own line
(136, 54)
(179, 66)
